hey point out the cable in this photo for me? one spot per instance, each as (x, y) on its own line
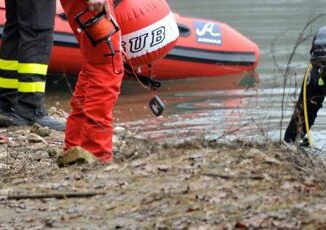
(133, 72)
(305, 109)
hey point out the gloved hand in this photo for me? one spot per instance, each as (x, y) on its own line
(99, 6)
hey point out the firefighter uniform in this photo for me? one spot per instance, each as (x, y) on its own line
(89, 124)
(24, 56)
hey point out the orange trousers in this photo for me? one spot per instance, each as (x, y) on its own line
(89, 124)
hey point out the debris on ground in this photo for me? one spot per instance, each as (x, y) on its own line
(194, 185)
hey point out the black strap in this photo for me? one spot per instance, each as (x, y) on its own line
(153, 84)
(116, 2)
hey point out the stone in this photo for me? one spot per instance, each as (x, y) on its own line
(76, 155)
(119, 130)
(34, 138)
(111, 168)
(41, 131)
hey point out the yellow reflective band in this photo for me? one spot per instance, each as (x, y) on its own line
(8, 65)
(8, 83)
(32, 68)
(321, 81)
(31, 87)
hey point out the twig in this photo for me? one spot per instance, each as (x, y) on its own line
(233, 131)
(227, 177)
(55, 195)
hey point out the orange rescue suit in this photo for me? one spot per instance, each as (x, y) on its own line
(89, 124)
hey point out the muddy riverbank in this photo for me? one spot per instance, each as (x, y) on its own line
(193, 185)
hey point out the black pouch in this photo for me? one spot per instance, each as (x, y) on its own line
(43, 14)
(156, 105)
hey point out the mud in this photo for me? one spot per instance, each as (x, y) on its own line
(192, 185)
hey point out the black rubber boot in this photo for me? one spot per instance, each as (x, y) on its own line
(51, 122)
(9, 118)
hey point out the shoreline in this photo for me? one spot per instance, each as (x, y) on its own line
(193, 185)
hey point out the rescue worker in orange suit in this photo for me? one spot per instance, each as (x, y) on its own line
(89, 124)
(24, 57)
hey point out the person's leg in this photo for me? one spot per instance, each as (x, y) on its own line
(101, 94)
(77, 116)
(36, 21)
(297, 128)
(100, 88)
(9, 59)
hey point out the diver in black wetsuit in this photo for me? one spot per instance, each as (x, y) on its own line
(316, 92)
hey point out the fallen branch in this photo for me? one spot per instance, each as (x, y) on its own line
(228, 177)
(55, 195)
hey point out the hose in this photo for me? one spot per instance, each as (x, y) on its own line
(305, 109)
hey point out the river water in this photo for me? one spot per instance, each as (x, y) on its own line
(232, 107)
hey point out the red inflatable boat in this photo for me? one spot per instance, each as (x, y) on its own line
(205, 49)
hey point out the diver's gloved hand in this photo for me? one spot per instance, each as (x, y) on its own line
(304, 142)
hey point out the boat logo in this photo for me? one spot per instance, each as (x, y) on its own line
(208, 32)
(138, 43)
(146, 40)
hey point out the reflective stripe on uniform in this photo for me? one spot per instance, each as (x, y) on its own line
(8, 83)
(321, 81)
(11, 65)
(32, 68)
(31, 87)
